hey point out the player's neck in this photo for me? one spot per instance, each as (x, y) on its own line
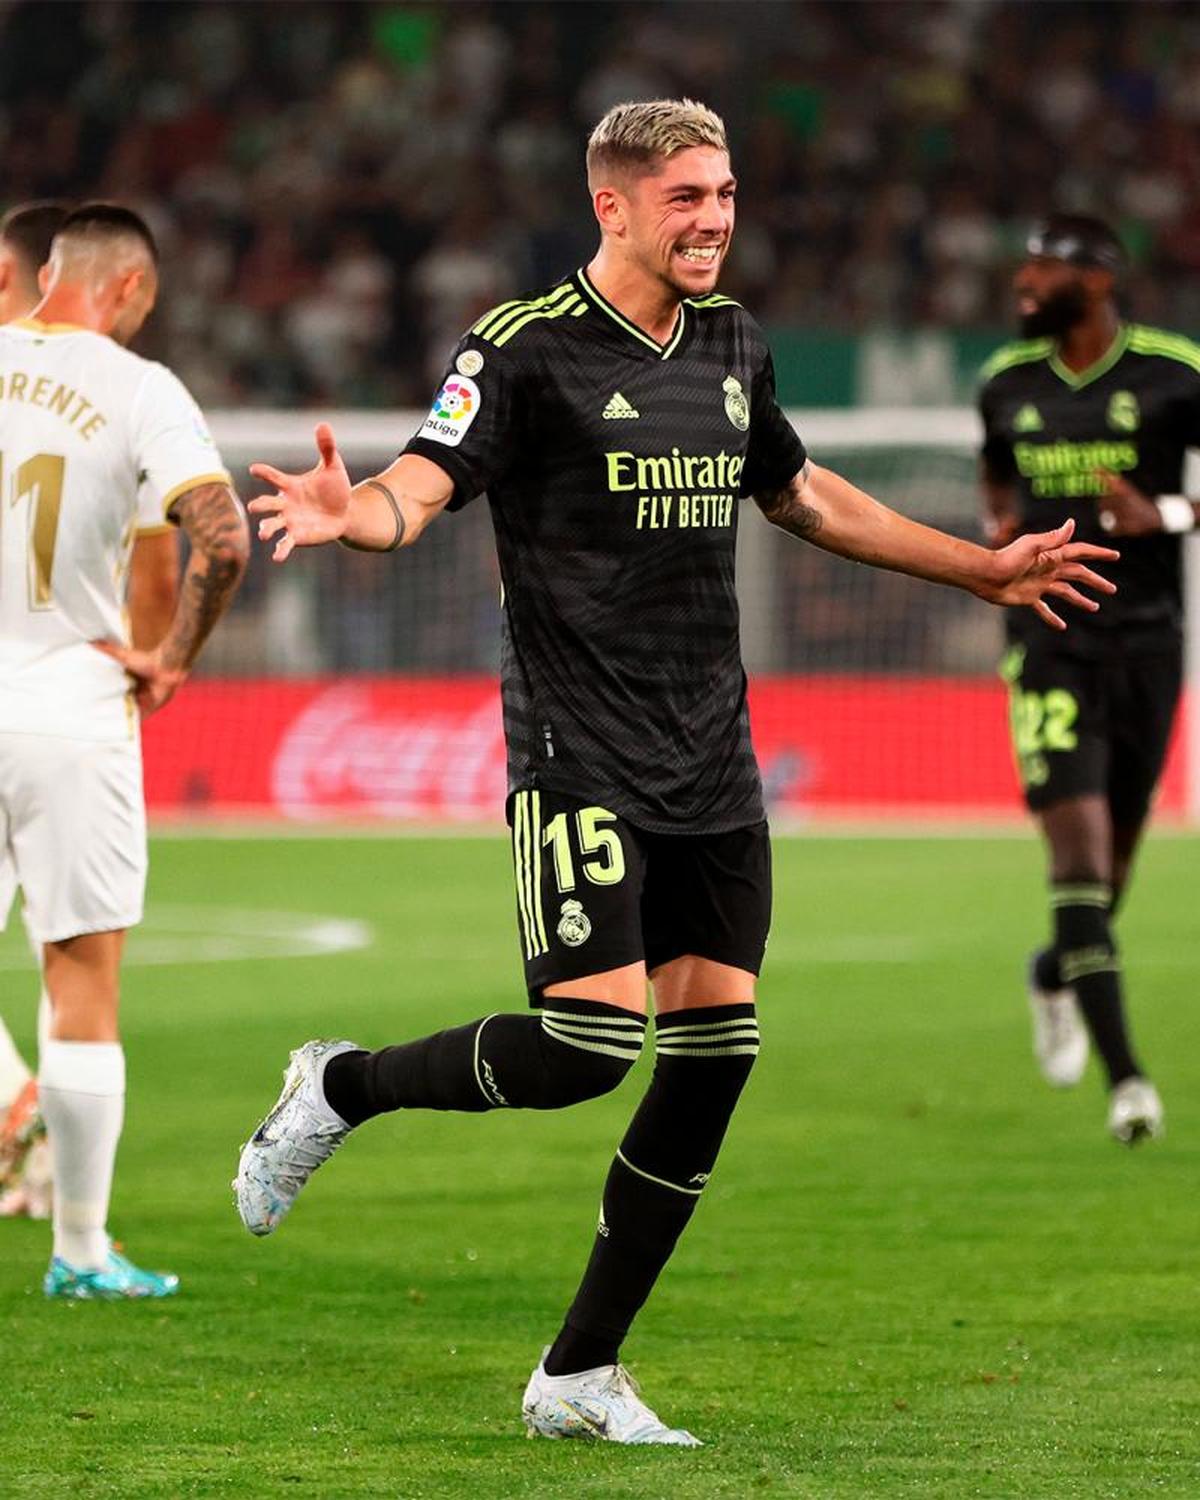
(74, 305)
(1089, 341)
(647, 303)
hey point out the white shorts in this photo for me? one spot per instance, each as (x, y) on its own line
(72, 833)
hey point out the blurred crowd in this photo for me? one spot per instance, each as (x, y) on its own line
(341, 188)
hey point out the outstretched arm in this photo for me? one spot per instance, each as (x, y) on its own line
(819, 506)
(215, 526)
(390, 510)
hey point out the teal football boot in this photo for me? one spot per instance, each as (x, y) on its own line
(117, 1280)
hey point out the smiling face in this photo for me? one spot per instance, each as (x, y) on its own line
(675, 223)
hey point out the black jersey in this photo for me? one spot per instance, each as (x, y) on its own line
(613, 466)
(1048, 430)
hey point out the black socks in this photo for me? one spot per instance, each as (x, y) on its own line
(704, 1058)
(572, 1050)
(1087, 961)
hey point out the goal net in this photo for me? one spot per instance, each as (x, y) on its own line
(357, 687)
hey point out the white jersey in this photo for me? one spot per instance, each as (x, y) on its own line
(96, 444)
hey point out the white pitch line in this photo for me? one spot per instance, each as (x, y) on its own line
(219, 934)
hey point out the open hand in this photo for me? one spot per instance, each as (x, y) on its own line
(307, 509)
(1048, 564)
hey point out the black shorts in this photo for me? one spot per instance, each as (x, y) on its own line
(1083, 726)
(595, 893)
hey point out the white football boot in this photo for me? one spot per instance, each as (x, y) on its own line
(1060, 1038)
(1135, 1111)
(597, 1404)
(299, 1134)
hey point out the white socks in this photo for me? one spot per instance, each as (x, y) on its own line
(14, 1075)
(81, 1088)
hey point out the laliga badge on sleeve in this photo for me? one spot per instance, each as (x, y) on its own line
(454, 408)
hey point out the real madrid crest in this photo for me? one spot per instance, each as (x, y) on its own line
(737, 408)
(1123, 413)
(574, 929)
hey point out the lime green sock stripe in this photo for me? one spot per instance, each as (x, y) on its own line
(1080, 895)
(750, 1049)
(662, 1181)
(615, 1034)
(571, 1017)
(711, 1028)
(606, 1049)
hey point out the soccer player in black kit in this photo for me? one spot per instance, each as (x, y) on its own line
(614, 423)
(1089, 419)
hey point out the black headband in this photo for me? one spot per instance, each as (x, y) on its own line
(1075, 249)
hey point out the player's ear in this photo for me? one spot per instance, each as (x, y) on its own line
(131, 284)
(610, 208)
(1100, 284)
(44, 275)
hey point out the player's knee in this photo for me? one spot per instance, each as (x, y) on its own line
(587, 1054)
(716, 1053)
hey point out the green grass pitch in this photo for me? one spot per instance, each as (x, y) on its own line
(918, 1271)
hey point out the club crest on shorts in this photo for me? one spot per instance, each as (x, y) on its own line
(574, 929)
(737, 408)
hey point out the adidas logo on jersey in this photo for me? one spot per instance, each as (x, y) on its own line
(1028, 419)
(618, 407)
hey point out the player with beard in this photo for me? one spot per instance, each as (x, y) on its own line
(613, 422)
(1088, 419)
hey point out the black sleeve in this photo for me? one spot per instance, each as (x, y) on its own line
(996, 451)
(1191, 407)
(775, 454)
(471, 430)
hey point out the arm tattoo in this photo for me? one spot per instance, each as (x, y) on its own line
(787, 509)
(215, 526)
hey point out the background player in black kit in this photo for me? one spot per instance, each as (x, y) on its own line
(1090, 419)
(614, 423)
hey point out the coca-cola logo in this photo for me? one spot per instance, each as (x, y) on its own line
(353, 748)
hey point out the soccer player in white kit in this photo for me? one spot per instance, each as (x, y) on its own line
(96, 443)
(25, 1180)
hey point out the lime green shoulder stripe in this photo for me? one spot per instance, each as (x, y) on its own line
(714, 299)
(489, 325)
(1143, 340)
(495, 312)
(569, 304)
(1008, 355)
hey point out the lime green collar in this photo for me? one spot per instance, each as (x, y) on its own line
(1077, 379)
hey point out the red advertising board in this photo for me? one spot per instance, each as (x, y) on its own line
(432, 749)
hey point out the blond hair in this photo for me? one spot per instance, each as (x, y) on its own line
(634, 139)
